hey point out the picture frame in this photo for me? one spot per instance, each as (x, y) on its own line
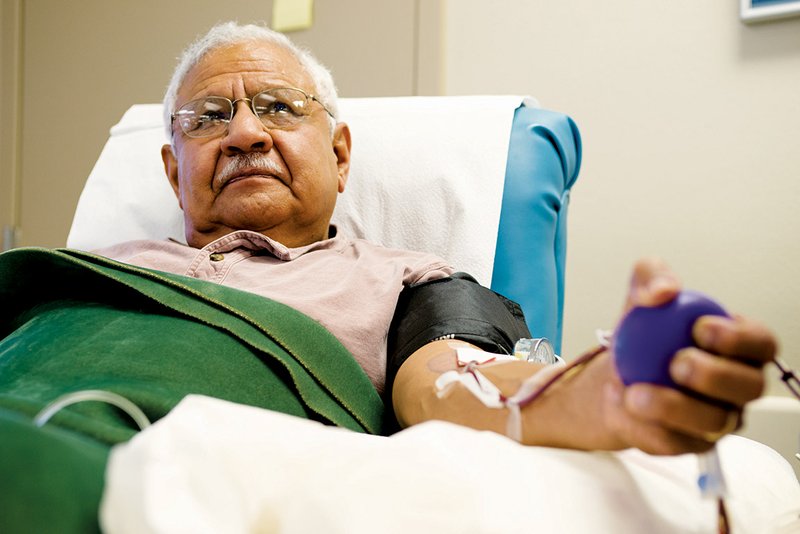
(763, 10)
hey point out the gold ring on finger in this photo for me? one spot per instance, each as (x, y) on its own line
(731, 422)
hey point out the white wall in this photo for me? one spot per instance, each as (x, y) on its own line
(691, 129)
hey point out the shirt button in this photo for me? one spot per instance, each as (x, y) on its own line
(216, 257)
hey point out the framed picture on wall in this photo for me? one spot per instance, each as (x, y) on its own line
(760, 10)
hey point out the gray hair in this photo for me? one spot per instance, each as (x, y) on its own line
(231, 33)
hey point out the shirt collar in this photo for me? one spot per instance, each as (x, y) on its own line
(258, 242)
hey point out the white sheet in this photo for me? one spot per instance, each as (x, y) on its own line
(214, 466)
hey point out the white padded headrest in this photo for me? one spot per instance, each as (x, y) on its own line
(427, 174)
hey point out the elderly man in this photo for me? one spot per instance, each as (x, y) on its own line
(257, 160)
(258, 177)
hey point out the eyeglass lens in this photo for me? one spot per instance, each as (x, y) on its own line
(209, 116)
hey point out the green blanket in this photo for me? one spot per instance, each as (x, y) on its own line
(72, 321)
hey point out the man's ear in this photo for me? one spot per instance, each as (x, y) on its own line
(341, 149)
(171, 170)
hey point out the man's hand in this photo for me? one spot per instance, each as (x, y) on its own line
(719, 376)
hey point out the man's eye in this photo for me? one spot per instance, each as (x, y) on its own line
(212, 117)
(276, 108)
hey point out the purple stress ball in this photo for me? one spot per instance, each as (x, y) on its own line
(647, 338)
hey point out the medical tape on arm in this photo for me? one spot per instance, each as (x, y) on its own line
(470, 377)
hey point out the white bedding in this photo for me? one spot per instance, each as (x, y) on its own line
(215, 466)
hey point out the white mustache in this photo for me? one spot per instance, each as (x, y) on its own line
(246, 162)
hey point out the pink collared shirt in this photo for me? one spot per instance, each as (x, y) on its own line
(349, 286)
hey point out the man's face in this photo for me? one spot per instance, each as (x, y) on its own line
(291, 197)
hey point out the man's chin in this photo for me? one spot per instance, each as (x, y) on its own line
(249, 200)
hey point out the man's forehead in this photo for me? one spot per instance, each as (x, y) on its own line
(255, 64)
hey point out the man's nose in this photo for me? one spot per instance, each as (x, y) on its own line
(246, 132)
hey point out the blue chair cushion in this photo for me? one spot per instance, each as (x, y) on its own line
(544, 158)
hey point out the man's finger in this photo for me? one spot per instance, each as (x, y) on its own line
(717, 377)
(737, 338)
(686, 420)
(653, 283)
(644, 428)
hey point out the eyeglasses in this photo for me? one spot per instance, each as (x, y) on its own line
(279, 108)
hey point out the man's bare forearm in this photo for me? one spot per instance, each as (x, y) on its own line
(565, 416)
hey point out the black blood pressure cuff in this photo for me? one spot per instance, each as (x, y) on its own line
(456, 307)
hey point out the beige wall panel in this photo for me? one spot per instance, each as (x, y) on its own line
(368, 45)
(691, 130)
(6, 206)
(87, 62)
(431, 17)
(10, 52)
